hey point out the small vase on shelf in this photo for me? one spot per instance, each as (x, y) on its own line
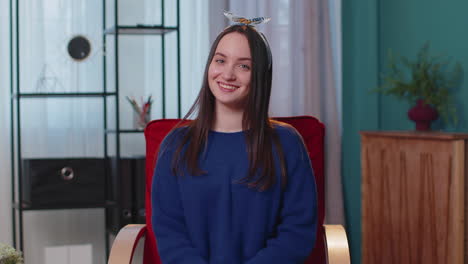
(423, 114)
(141, 112)
(140, 120)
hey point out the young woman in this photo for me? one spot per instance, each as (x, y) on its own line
(233, 186)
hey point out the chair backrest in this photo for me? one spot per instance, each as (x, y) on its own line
(311, 130)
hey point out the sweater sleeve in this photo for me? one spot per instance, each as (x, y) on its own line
(173, 242)
(297, 229)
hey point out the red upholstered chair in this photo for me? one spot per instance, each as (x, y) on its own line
(331, 246)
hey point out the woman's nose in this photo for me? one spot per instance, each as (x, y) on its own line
(228, 73)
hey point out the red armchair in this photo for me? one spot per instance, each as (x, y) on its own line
(331, 245)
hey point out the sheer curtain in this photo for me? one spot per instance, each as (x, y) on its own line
(306, 75)
(5, 183)
(60, 127)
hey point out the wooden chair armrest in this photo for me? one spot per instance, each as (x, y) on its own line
(336, 243)
(125, 243)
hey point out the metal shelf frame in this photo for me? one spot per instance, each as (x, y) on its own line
(115, 30)
(16, 105)
(17, 207)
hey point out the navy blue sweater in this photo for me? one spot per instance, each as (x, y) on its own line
(212, 219)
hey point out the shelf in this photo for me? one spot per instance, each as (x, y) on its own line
(140, 30)
(42, 95)
(104, 90)
(27, 207)
(120, 131)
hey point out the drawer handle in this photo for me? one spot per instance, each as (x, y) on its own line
(126, 213)
(67, 173)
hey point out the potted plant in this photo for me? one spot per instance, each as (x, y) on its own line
(425, 83)
(9, 255)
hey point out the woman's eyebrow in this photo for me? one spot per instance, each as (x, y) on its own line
(222, 55)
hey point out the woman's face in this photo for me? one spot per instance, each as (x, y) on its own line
(229, 72)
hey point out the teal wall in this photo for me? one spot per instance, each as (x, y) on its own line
(370, 28)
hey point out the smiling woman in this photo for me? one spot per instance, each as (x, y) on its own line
(248, 193)
(229, 73)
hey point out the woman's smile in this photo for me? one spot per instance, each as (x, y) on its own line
(227, 87)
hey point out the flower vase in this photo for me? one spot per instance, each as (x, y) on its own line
(423, 114)
(140, 120)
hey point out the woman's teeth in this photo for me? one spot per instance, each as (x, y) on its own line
(226, 86)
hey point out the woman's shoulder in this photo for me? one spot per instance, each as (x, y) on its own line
(178, 132)
(285, 131)
(291, 140)
(173, 138)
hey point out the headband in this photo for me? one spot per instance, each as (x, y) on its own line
(238, 20)
(246, 21)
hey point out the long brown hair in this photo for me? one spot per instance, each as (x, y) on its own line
(259, 132)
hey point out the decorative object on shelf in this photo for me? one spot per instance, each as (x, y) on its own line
(423, 114)
(429, 85)
(79, 48)
(9, 255)
(48, 81)
(141, 111)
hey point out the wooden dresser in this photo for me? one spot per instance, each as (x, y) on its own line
(413, 186)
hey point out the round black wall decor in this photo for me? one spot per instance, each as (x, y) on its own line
(79, 48)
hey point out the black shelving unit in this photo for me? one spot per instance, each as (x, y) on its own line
(66, 95)
(116, 133)
(140, 30)
(114, 163)
(116, 30)
(19, 206)
(106, 204)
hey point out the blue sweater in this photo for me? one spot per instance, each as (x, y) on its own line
(210, 219)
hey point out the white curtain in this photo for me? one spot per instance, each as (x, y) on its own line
(5, 183)
(60, 127)
(305, 74)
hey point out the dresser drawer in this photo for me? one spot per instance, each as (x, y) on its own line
(63, 182)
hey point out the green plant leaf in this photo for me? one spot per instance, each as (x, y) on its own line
(429, 77)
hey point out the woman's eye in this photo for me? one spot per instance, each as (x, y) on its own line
(245, 66)
(219, 61)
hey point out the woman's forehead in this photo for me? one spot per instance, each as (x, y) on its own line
(234, 45)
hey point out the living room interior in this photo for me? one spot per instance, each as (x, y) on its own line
(80, 80)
